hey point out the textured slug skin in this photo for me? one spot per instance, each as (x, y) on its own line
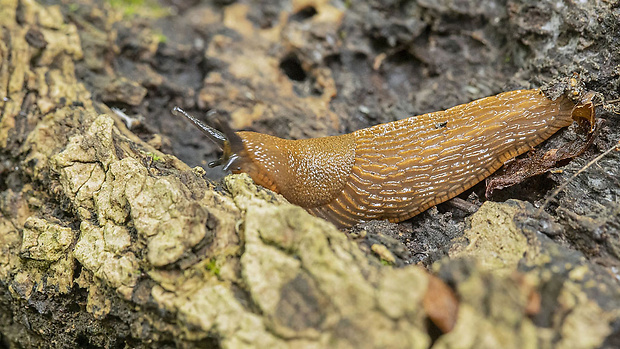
(396, 170)
(307, 172)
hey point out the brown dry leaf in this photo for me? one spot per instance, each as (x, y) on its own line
(440, 304)
(529, 290)
(535, 163)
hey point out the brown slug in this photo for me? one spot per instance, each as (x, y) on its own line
(398, 169)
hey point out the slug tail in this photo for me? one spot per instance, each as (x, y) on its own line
(583, 111)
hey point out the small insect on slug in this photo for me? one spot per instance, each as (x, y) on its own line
(398, 169)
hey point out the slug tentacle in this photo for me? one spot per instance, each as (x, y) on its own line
(396, 170)
(214, 135)
(229, 142)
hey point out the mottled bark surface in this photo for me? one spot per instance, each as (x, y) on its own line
(109, 238)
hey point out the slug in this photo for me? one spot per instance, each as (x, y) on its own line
(398, 169)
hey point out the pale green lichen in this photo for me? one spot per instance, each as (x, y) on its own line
(496, 246)
(266, 287)
(291, 256)
(116, 238)
(41, 260)
(145, 8)
(165, 213)
(493, 239)
(215, 307)
(60, 274)
(98, 302)
(383, 253)
(583, 324)
(400, 292)
(10, 241)
(119, 270)
(45, 241)
(124, 176)
(474, 330)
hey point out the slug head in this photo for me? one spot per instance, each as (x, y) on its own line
(308, 172)
(233, 153)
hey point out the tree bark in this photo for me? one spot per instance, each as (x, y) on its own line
(107, 240)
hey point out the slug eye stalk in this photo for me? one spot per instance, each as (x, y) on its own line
(227, 140)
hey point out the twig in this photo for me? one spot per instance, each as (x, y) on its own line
(561, 187)
(463, 205)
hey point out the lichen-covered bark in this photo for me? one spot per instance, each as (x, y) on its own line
(564, 292)
(106, 241)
